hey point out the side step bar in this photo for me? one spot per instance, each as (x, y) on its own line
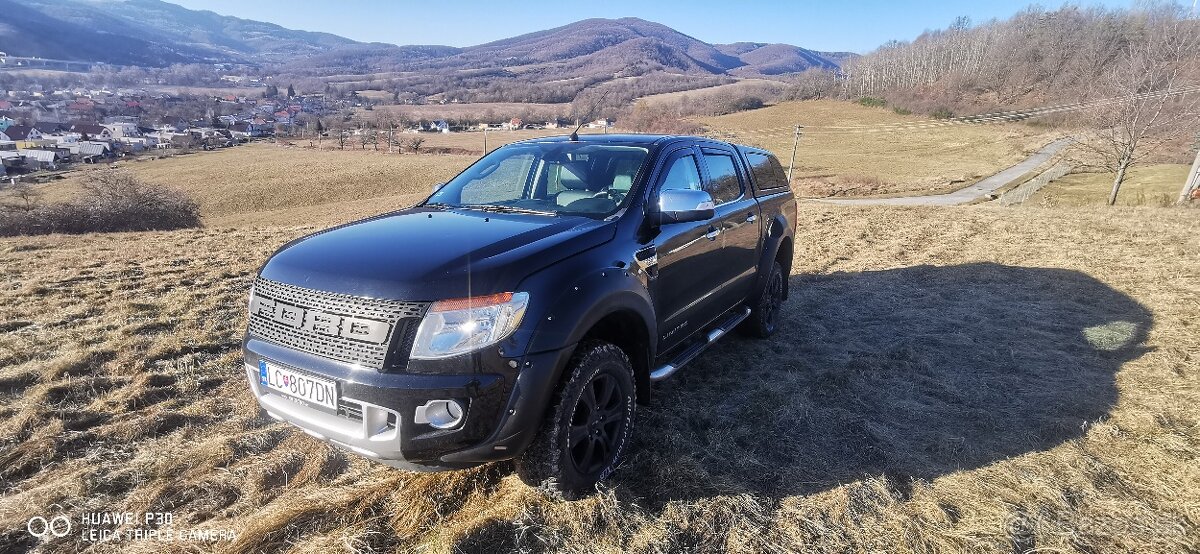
(695, 349)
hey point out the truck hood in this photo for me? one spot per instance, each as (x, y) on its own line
(426, 254)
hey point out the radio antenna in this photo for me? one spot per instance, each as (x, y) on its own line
(574, 137)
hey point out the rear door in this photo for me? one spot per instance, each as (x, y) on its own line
(737, 222)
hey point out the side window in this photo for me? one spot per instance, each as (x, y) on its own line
(768, 172)
(682, 175)
(724, 184)
(505, 183)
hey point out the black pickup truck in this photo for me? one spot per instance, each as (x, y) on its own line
(523, 310)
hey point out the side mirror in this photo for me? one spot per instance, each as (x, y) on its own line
(683, 205)
(438, 186)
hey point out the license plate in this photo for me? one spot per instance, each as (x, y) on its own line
(297, 385)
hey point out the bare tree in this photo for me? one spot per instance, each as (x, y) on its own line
(342, 136)
(1155, 99)
(415, 143)
(20, 198)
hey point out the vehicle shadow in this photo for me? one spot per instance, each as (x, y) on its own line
(904, 373)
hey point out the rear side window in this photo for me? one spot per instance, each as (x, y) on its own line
(682, 175)
(724, 186)
(768, 172)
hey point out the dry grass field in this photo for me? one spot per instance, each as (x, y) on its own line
(253, 183)
(741, 86)
(503, 110)
(922, 159)
(946, 380)
(972, 379)
(1149, 185)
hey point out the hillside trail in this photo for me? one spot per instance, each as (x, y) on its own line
(979, 189)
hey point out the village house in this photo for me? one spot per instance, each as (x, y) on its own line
(92, 131)
(91, 152)
(11, 161)
(122, 130)
(173, 124)
(36, 159)
(51, 128)
(24, 135)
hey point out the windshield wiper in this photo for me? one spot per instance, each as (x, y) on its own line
(441, 205)
(498, 208)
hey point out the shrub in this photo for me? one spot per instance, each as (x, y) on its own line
(872, 102)
(942, 113)
(743, 103)
(112, 200)
(902, 111)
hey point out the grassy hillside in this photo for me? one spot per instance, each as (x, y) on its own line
(501, 110)
(265, 177)
(748, 86)
(968, 379)
(908, 160)
(1151, 185)
(234, 185)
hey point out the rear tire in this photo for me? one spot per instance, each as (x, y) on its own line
(764, 312)
(588, 425)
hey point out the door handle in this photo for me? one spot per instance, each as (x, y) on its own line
(712, 233)
(751, 218)
(646, 258)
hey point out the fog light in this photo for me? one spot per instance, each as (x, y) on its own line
(440, 414)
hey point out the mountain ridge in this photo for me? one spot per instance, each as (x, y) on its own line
(158, 33)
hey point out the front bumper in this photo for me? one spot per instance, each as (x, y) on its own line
(375, 412)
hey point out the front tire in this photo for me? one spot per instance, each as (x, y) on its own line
(764, 314)
(588, 426)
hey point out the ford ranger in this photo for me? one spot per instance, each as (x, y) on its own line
(523, 310)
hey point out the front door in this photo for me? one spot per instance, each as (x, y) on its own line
(688, 258)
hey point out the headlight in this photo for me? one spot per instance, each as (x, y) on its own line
(453, 327)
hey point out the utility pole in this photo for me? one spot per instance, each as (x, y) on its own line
(795, 143)
(485, 141)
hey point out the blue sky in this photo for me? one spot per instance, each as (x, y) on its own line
(856, 26)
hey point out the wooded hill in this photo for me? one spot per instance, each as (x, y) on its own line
(1037, 57)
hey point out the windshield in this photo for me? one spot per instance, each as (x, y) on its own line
(593, 180)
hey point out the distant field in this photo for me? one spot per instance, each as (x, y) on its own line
(503, 110)
(741, 86)
(944, 380)
(841, 163)
(271, 177)
(1151, 185)
(264, 177)
(465, 141)
(251, 92)
(36, 73)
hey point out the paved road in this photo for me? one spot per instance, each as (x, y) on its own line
(976, 191)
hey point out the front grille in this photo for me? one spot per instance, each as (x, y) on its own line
(401, 317)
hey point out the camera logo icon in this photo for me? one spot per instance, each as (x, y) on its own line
(54, 527)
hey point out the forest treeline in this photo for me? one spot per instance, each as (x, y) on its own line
(1037, 57)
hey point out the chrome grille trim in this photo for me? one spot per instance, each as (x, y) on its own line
(341, 304)
(402, 318)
